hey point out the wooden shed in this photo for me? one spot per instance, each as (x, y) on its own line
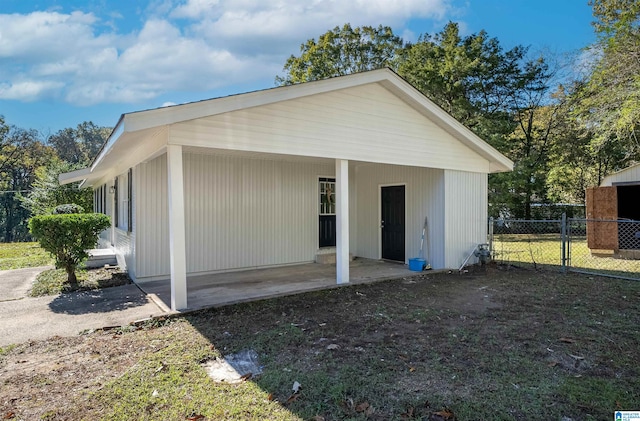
(613, 213)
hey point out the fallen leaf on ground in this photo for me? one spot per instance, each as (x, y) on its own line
(317, 418)
(552, 363)
(333, 346)
(361, 407)
(577, 357)
(444, 415)
(408, 413)
(246, 377)
(293, 398)
(270, 397)
(567, 340)
(9, 416)
(196, 417)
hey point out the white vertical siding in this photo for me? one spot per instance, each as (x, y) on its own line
(250, 212)
(363, 123)
(151, 223)
(424, 196)
(239, 213)
(465, 214)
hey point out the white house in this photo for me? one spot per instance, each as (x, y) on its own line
(273, 177)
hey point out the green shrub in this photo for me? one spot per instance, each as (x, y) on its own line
(68, 237)
(67, 208)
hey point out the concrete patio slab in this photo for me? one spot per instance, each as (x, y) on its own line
(220, 289)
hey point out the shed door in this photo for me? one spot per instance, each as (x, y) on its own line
(327, 222)
(393, 229)
(602, 204)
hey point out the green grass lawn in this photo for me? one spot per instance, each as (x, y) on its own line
(544, 250)
(23, 255)
(505, 344)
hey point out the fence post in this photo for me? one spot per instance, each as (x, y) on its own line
(491, 236)
(563, 235)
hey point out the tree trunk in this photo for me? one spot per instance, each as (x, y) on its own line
(71, 277)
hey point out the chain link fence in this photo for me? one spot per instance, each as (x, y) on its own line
(602, 247)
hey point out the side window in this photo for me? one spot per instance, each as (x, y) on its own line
(129, 200)
(123, 210)
(116, 199)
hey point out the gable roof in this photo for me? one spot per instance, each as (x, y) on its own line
(153, 123)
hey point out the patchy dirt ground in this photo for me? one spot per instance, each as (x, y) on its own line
(490, 344)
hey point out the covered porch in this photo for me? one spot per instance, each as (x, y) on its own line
(214, 290)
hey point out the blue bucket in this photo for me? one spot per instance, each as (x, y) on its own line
(417, 264)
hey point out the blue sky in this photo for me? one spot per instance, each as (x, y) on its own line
(63, 62)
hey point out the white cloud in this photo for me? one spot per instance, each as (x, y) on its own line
(29, 90)
(190, 45)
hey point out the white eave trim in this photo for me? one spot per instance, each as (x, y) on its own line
(115, 135)
(73, 176)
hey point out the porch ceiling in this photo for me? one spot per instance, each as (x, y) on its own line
(222, 289)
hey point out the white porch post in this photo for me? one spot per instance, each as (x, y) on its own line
(177, 242)
(342, 221)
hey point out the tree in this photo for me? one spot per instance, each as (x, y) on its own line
(47, 193)
(21, 155)
(500, 95)
(68, 237)
(611, 96)
(342, 51)
(579, 158)
(80, 145)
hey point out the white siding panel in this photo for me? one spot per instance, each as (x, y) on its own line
(424, 196)
(465, 213)
(366, 123)
(249, 212)
(628, 175)
(152, 224)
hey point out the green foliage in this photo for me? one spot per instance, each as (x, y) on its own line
(610, 99)
(21, 154)
(501, 96)
(80, 145)
(67, 209)
(342, 51)
(471, 78)
(47, 193)
(68, 237)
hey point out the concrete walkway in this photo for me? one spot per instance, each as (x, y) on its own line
(23, 318)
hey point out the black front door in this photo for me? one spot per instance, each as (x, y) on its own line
(327, 233)
(393, 223)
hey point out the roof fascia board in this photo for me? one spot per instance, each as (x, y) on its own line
(73, 176)
(115, 135)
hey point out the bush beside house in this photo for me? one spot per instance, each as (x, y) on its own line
(68, 236)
